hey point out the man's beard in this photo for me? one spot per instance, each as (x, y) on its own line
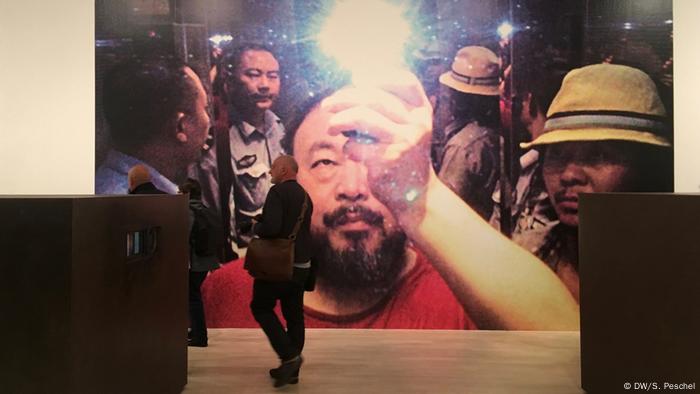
(355, 274)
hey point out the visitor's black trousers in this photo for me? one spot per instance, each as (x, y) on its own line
(198, 324)
(290, 342)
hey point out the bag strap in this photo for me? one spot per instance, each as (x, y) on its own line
(223, 163)
(300, 219)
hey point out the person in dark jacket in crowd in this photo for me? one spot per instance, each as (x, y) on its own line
(283, 207)
(205, 240)
(234, 174)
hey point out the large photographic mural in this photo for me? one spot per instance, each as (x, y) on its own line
(444, 143)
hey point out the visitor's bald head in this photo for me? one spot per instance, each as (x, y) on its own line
(288, 162)
(138, 175)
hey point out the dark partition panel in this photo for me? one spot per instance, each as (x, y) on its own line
(640, 292)
(93, 294)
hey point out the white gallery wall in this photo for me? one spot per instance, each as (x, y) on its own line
(47, 96)
(47, 105)
(686, 83)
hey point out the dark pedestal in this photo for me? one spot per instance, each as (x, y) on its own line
(640, 292)
(78, 315)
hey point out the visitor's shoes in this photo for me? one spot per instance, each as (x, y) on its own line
(196, 342)
(274, 373)
(285, 372)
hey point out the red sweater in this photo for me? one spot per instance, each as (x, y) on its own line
(421, 300)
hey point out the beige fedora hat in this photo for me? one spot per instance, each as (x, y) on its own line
(605, 102)
(474, 71)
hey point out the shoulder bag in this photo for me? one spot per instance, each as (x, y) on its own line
(272, 259)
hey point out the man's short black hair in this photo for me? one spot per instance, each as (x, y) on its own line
(232, 56)
(141, 97)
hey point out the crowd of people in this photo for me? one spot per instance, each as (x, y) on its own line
(404, 230)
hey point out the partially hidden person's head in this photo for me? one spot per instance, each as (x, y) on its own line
(606, 131)
(473, 82)
(192, 188)
(360, 247)
(252, 77)
(283, 168)
(157, 105)
(536, 85)
(430, 65)
(137, 176)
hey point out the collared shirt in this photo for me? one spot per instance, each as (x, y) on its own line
(252, 153)
(112, 175)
